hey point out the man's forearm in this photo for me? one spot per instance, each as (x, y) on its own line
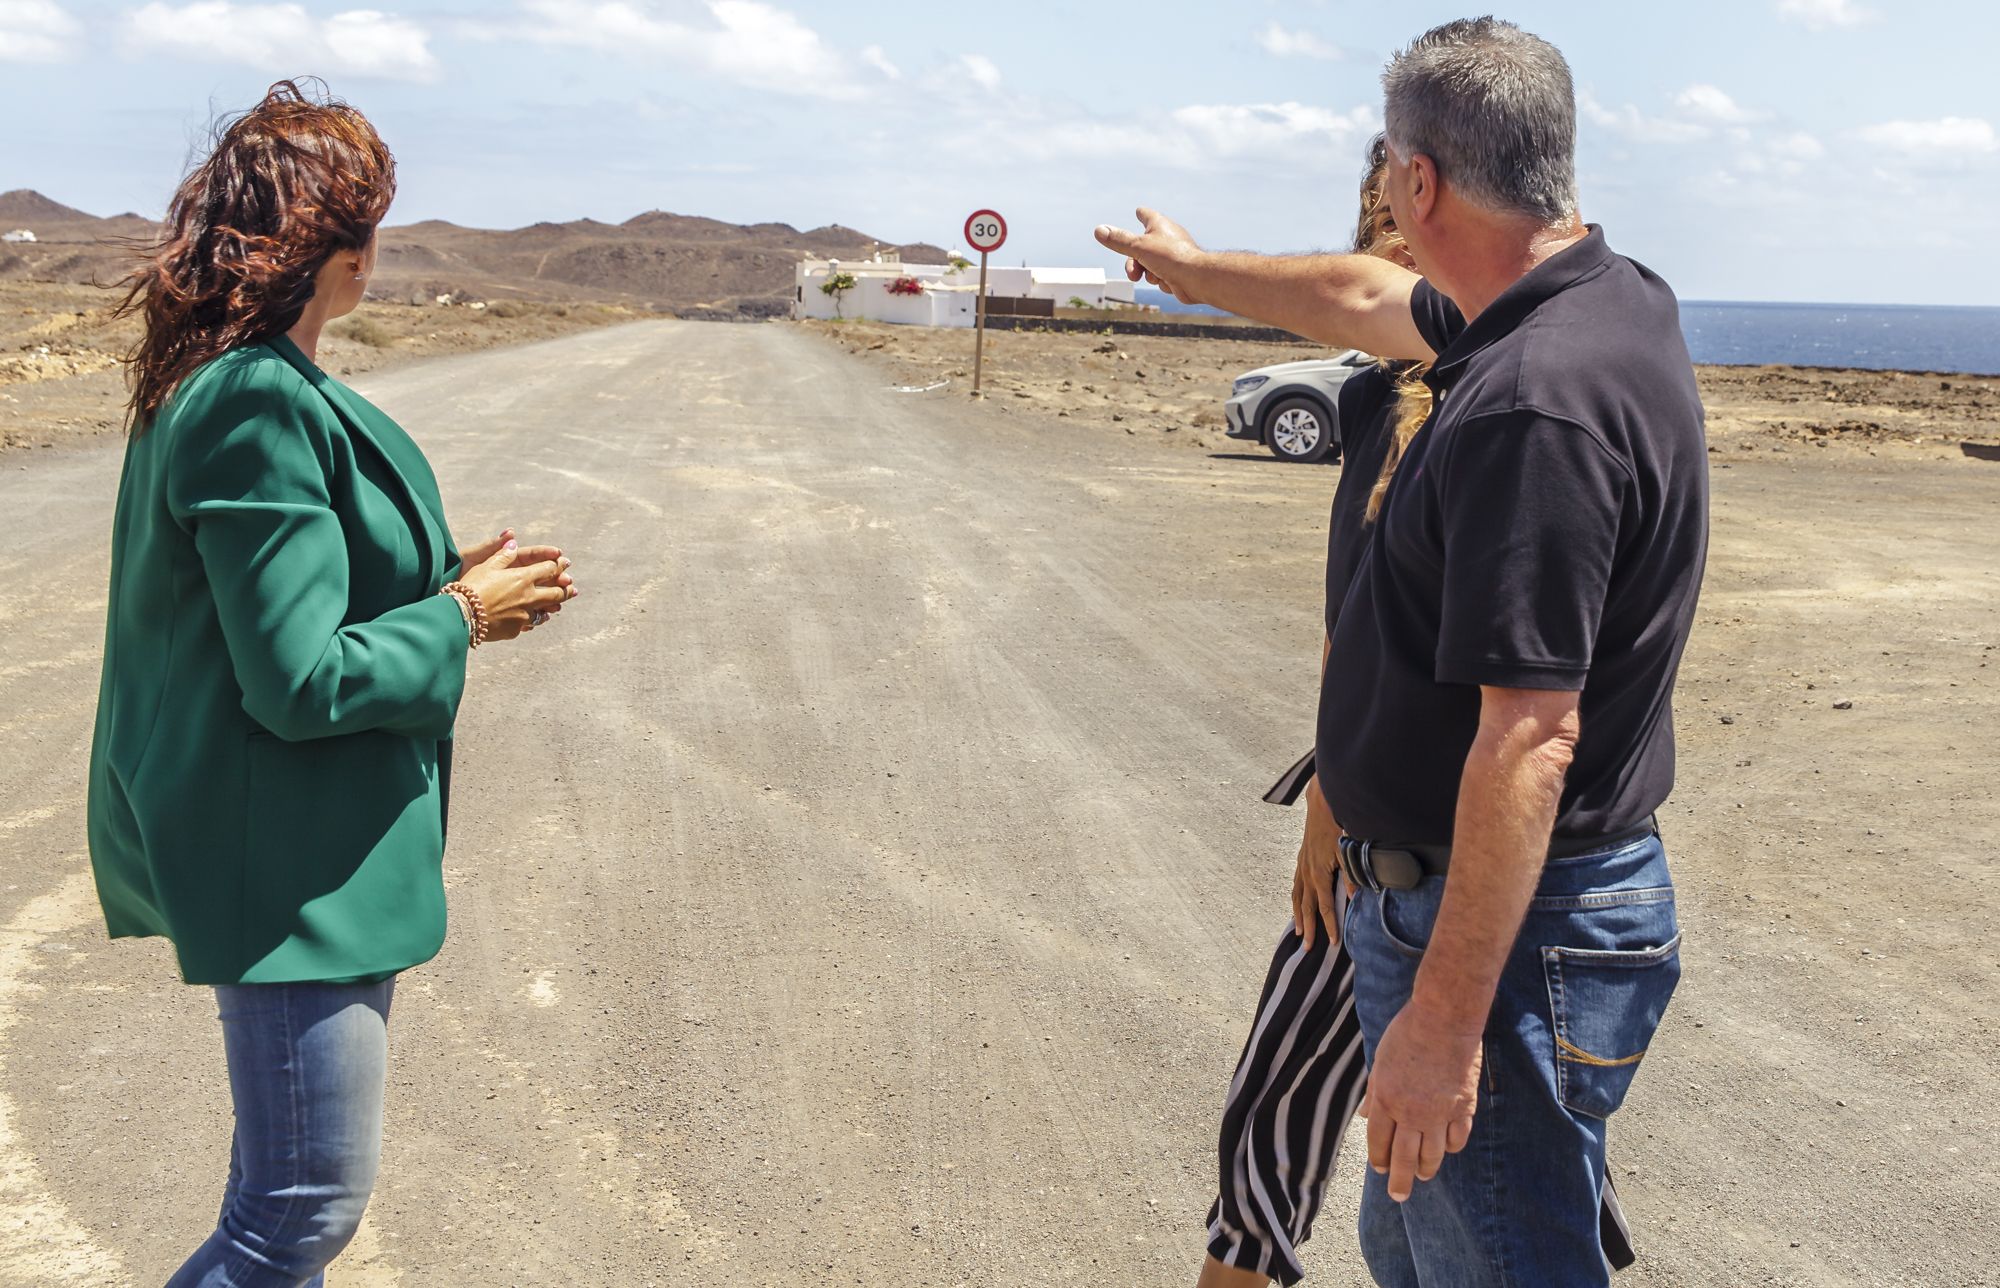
(1346, 301)
(1507, 802)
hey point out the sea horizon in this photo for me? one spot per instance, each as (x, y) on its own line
(1927, 339)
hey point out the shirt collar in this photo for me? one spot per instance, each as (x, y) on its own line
(1518, 302)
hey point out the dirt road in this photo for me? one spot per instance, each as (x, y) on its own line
(865, 883)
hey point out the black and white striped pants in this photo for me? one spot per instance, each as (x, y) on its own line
(1295, 1093)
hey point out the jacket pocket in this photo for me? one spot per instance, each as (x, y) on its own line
(342, 848)
(1606, 1006)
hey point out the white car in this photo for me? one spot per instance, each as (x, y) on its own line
(1292, 407)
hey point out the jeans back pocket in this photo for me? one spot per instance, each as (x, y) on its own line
(1606, 1006)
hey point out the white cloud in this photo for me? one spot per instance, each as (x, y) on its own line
(1698, 112)
(284, 38)
(35, 31)
(1629, 122)
(1750, 140)
(1818, 15)
(365, 42)
(746, 41)
(1207, 134)
(1946, 136)
(879, 60)
(1796, 146)
(1791, 155)
(1275, 40)
(1709, 105)
(981, 69)
(1240, 129)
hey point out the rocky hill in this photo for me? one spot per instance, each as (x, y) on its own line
(657, 260)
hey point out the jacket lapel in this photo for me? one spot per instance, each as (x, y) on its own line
(405, 462)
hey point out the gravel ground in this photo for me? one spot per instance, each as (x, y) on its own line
(60, 345)
(865, 883)
(1173, 388)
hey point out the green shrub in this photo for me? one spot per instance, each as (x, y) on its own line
(837, 285)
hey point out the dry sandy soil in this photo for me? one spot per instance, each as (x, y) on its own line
(1175, 387)
(60, 344)
(867, 884)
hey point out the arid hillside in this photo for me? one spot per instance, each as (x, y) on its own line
(658, 261)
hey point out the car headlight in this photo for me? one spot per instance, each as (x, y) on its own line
(1244, 384)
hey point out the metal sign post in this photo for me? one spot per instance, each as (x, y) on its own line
(985, 232)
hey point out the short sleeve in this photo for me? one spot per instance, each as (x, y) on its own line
(1438, 320)
(1531, 509)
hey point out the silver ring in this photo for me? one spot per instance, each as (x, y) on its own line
(538, 617)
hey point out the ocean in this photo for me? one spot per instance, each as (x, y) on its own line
(1883, 337)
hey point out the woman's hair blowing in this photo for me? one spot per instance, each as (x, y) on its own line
(1375, 234)
(290, 183)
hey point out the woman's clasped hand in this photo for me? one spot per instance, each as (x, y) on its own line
(520, 587)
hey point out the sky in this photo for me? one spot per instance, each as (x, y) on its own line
(1814, 150)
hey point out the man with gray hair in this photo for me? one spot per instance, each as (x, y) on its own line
(1495, 725)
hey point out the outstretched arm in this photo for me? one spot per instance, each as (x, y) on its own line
(1347, 301)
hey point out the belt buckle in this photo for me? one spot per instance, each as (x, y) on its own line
(1357, 862)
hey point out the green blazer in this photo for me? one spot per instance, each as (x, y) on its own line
(272, 754)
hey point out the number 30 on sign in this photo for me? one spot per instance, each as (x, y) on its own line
(985, 231)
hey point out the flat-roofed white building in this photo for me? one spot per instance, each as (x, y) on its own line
(1084, 285)
(942, 298)
(948, 297)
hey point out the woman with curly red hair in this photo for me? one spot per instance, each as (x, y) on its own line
(289, 624)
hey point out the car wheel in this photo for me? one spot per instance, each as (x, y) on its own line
(1299, 430)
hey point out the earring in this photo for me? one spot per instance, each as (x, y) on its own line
(361, 277)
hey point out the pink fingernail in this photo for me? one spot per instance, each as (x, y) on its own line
(512, 544)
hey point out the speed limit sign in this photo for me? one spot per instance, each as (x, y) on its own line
(985, 231)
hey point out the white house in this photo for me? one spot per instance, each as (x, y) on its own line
(18, 235)
(1087, 284)
(948, 297)
(943, 298)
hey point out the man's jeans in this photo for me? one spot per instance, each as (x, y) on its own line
(307, 1064)
(1581, 995)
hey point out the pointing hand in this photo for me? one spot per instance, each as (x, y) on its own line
(1156, 255)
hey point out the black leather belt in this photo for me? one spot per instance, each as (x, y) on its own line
(1372, 865)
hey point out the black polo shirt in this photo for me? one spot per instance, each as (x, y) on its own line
(1368, 411)
(1546, 529)
(1367, 415)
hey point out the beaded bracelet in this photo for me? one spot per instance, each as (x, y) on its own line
(474, 609)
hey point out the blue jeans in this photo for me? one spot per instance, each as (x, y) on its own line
(307, 1065)
(1581, 995)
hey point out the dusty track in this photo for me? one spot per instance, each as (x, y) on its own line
(864, 883)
